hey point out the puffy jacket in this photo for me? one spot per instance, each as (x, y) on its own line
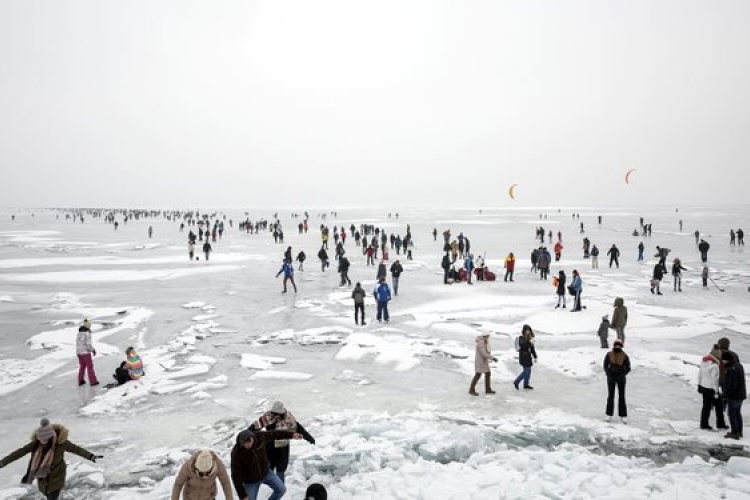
(358, 294)
(510, 263)
(55, 480)
(708, 373)
(396, 270)
(194, 487)
(382, 292)
(83, 342)
(561, 280)
(482, 355)
(526, 351)
(577, 284)
(620, 314)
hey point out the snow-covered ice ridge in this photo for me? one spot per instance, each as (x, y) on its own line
(388, 404)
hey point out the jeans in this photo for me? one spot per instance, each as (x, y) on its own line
(85, 362)
(508, 276)
(711, 400)
(359, 309)
(524, 376)
(622, 408)
(394, 279)
(561, 298)
(207, 255)
(383, 311)
(577, 302)
(678, 283)
(640, 255)
(272, 481)
(734, 412)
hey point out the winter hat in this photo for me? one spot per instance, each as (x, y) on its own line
(278, 407)
(716, 352)
(245, 436)
(618, 343)
(87, 323)
(316, 491)
(45, 431)
(204, 462)
(605, 317)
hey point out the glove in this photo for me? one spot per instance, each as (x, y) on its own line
(494, 359)
(94, 457)
(311, 440)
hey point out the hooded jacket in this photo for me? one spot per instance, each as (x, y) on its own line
(55, 480)
(251, 465)
(194, 487)
(482, 355)
(358, 294)
(708, 373)
(620, 314)
(526, 351)
(734, 382)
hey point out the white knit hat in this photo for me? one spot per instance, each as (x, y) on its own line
(278, 407)
(204, 462)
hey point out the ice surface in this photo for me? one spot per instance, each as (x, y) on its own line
(387, 404)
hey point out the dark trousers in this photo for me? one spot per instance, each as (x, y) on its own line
(734, 412)
(622, 408)
(359, 309)
(383, 311)
(445, 276)
(577, 302)
(508, 276)
(613, 260)
(710, 400)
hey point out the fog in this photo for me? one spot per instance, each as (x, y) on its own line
(184, 103)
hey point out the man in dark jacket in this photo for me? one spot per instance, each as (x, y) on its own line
(614, 255)
(396, 270)
(735, 391)
(703, 247)
(344, 270)
(250, 467)
(446, 265)
(358, 294)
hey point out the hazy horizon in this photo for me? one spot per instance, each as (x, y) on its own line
(340, 103)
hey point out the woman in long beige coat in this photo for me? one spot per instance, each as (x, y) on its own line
(482, 364)
(197, 477)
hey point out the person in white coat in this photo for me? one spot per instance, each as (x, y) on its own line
(708, 386)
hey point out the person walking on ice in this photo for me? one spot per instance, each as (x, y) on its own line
(382, 294)
(358, 294)
(47, 447)
(197, 477)
(288, 269)
(482, 360)
(526, 356)
(616, 367)
(620, 318)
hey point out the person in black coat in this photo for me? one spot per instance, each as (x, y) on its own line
(614, 255)
(703, 247)
(561, 290)
(616, 367)
(659, 272)
(735, 391)
(526, 356)
(446, 265)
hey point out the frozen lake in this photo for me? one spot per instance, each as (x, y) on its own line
(388, 404)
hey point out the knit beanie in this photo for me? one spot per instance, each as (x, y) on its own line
(204, 462)
(45, 431)
(245, 436)
(316, 491)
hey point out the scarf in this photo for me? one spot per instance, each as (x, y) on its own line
(285, 422)
(41, 461)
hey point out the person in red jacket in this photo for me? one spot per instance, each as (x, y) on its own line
(250, 467)
(558, 251)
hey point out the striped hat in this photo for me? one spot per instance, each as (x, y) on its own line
(45, 431)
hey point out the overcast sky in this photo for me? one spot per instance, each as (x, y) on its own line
(322, 103)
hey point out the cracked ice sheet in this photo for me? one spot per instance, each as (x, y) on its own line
(16, 373)
(398, 350)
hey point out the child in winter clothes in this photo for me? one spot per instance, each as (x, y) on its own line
(134, 364)
(604, 332)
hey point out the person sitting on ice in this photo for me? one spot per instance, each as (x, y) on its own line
(134, 364)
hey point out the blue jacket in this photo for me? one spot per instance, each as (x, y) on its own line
(287, 269)
(382, 292)
(577, 284)
(469, 264)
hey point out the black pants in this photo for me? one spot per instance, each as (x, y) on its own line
(445, 276)
(359, 309)
(622, 408)
(53, 496)
(613, 260)
(711, 401)
(278, 458)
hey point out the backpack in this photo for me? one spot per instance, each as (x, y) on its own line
(518, 344)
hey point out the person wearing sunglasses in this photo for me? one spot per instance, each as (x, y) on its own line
(197, 477)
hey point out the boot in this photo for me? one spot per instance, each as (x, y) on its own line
(472, 389)
(487, 388)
